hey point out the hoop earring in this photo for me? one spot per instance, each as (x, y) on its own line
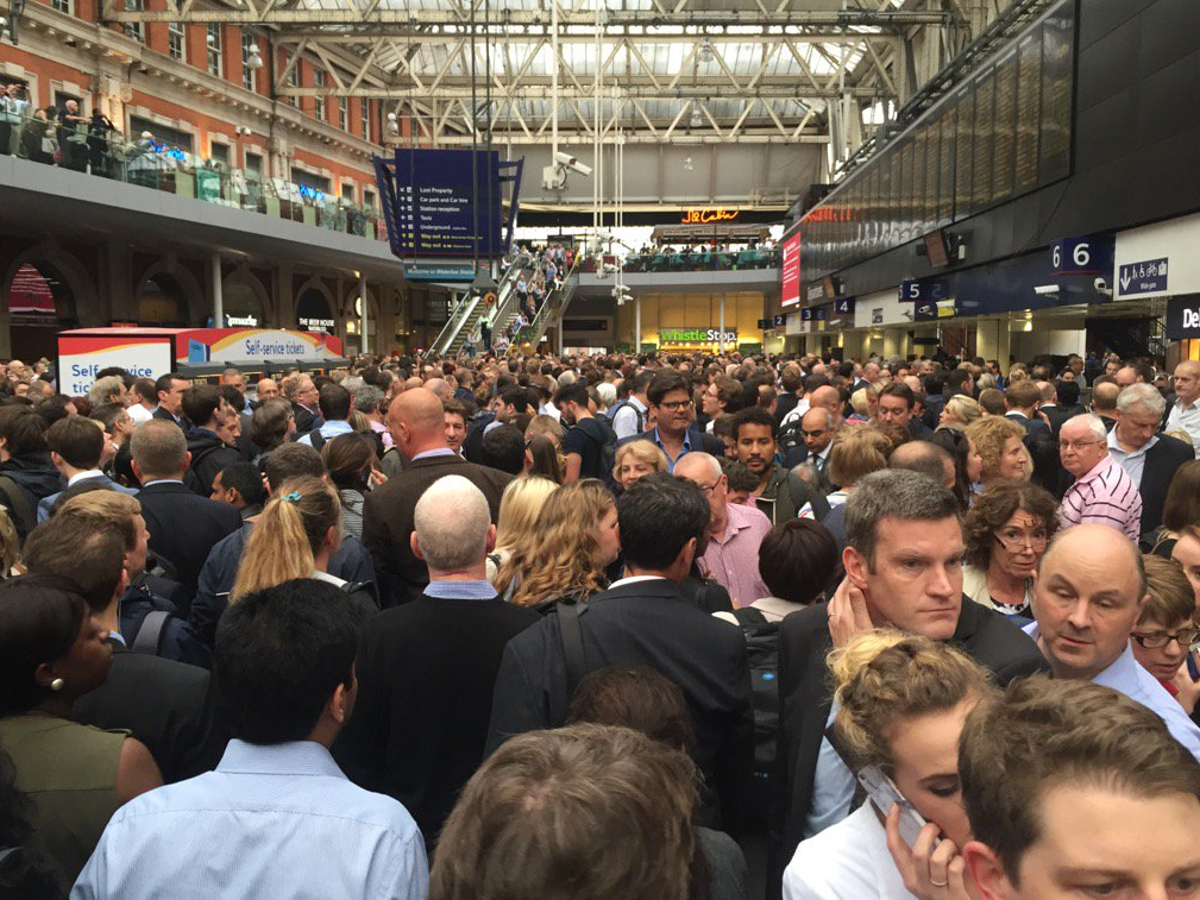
(57, 685)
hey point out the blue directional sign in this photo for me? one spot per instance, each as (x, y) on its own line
(1146, 277)
(780, 320)
(844, 307)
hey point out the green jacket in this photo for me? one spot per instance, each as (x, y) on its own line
(785, 495)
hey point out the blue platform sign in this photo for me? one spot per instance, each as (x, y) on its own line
(844, 307)
(780, 320)
(1146, 277)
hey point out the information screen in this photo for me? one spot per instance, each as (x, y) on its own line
(448, 204)
(1029, 112)
(1003, 128)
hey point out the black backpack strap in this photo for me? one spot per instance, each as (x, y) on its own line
(748, 615)
(19, 505)
(569, 611)
(150, 633)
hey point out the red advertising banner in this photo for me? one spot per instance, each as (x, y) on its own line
(791, 270)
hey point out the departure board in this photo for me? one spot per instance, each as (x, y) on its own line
(945, 211)
(984, 141)
(1003, 128)
(1003, 133)
(1029, 111)
(933, 171)
(964, 142)
(1058, 53)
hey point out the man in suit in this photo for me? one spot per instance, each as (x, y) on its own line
(417, 422)
(1022, 400)
(1104, 400)
(1066, 405)
(76, 445)
(898, 403)
(903, 564)
(169, 706)
(170, 388)
(644, 619)
(305, 399)
(675, 432)
(426, 670)
(183, 526)
(792, 382)
(1151, 459)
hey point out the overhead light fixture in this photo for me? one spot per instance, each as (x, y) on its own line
(255, 61)
(696, 120)
(705, 52)
(687, 164)
(211, 39)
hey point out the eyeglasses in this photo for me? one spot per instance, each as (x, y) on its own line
(1076, 445)
(1017, 542)
(708, 489)
(1156, 640)
(676, 405)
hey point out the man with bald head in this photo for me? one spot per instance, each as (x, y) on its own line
(926, 458)
(1104, 401)
(441, 387)
(735, 531)
(417, 422)
(1090, 591)
(265, 389)
(1185, 411)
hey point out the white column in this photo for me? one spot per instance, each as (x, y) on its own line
(721, 327)
(637, 324)
(365, 310)
(218, 300)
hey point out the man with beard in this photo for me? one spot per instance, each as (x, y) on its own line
(781, 494)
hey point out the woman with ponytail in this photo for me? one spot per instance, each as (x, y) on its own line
(298, 532)
(901, 702)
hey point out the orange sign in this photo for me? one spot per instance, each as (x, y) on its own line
(708, 216)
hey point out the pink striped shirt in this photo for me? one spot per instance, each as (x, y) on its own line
(1107, 496)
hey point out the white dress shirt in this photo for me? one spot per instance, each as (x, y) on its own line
(849, 861)
(1186, 418)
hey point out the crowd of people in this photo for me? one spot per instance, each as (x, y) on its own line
(598, 627)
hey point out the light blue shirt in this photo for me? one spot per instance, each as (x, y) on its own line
(833, 785)
(440, 451)
(1134, 463)
(461, 590)
(276, 821)
(1128, 677)
(329, 431)
(687, 448)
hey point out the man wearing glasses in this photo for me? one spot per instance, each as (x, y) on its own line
(1103, 492)
(1091, 590)
(674, 413)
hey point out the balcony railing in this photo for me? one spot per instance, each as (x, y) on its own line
(704, 260)
(174, 170)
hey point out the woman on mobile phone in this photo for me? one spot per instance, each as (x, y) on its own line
(901, 701)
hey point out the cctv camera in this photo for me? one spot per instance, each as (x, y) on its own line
(570, 162)
(1100, 285)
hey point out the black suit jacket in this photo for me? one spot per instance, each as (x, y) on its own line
(426, 672)
(1043, 450)
(805, 698)
(169, 706)
(388, 519)
(1162, 461)
(183, 528)
(182, 422)
(784, 404)
(649, 623)
(1058, 414)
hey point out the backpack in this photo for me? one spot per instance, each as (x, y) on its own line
(790, 437)
(617, 407)
(22, 512)
(608, 446)
(762, 650)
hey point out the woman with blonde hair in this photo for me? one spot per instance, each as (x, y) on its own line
(520, 510)
(635, 460)
(901, 703)
(1000, 443)
(299, 530)
(855, 454)
(575, 541)
(959, 412)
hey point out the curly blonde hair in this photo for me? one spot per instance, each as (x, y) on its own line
(885, 675)
(989, 435)
(561, 555)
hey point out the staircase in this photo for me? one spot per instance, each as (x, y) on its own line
(1129, 338)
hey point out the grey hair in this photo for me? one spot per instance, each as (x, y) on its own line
(367, 398)
(894, 494)
(104, 388)
(695, 458)
(451, 520)
(1091, 421)
(1146, 395)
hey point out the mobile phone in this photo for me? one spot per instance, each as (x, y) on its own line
(884, 794)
